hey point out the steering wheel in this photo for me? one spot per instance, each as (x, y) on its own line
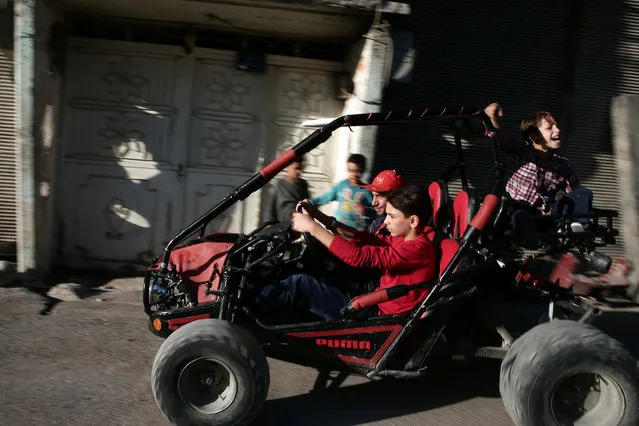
(308, 238)
(314, 247)
(309, 241)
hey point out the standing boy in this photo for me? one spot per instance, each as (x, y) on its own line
(355, 204)
(288, 192)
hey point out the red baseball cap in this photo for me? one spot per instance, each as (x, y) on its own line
(385, 181)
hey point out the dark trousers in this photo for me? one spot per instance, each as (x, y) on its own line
(307, 293)
(574, 203)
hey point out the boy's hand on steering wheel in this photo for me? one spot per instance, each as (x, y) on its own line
(306, 207)
(303, 206)
(301, 222)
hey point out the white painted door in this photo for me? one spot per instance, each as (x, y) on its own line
(225, 135)
(153, 138)
(242, 121)
(122, 132)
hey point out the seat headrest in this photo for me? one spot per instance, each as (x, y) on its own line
(464, 209)
(438, 192)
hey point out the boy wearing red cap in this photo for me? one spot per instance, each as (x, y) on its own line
(384, 182)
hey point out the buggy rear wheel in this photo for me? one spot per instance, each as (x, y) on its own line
(568, 373)
(210, 372)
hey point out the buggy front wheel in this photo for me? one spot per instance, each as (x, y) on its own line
(210, 373)
(568, 373)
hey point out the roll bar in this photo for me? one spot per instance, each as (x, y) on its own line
(464, 122)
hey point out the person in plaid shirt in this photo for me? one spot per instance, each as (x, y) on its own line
(541, 181)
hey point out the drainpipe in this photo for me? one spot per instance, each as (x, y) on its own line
(24, 66)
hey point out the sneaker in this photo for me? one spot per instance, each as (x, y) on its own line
(576, 227)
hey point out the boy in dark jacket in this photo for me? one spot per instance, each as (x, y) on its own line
(288, 192)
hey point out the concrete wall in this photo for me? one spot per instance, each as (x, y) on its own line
(625, 132)
(48, 47)
(368, 63)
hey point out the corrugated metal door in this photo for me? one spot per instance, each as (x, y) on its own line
(469, 54)
(7, 155)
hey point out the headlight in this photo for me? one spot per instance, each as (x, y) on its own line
(157, 293)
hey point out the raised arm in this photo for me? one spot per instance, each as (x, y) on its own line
(513, 146)
(496, 114)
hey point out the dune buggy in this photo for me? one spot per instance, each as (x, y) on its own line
(558, 317)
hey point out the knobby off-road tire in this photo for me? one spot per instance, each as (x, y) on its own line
(210, 372)
(557, 369)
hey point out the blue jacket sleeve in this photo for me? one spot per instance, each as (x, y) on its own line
(330, 195)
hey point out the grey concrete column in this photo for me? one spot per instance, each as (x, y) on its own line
(624, 116)
(370, 77)
(24, 66)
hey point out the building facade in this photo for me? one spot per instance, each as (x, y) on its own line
(134, 118)
(129, 119)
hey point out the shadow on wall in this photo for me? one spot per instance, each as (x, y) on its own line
(519, 54)
(154, 137)
(120, 157)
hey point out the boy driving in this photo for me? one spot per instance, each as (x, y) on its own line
(406, 256)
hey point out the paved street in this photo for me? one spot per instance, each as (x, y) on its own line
(88, 362)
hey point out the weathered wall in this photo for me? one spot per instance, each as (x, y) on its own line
(368, 84)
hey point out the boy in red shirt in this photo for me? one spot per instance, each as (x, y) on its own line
(406, 256)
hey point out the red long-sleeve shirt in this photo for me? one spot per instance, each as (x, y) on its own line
(401, 262)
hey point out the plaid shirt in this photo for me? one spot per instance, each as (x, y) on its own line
(532, 183)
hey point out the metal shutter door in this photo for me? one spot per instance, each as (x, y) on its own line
(7, 155)
(470, 54)
(473, 55)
